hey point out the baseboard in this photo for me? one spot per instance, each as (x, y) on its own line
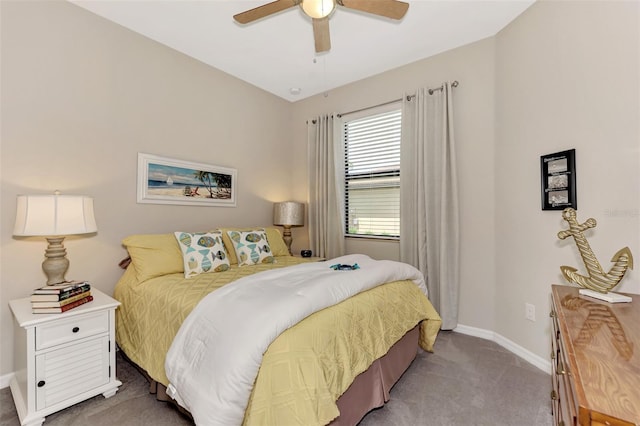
(537, 361)
(4, 380)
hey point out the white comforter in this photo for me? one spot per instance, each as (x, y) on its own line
(215, 357)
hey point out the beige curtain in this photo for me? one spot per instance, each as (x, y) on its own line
(429, 217)
(326, 186)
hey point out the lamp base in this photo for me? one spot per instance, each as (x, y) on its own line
(286, 236)
(55, 264)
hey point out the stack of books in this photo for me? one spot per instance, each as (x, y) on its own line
(59, 298)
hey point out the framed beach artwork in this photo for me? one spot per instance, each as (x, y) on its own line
(164, 180)
(558, 180)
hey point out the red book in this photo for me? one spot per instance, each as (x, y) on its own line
(57, 304)
(58, 310)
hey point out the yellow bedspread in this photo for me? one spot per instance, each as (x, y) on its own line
(308, 367)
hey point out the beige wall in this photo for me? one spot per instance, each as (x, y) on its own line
(86, 95)
(567, 76)
(80, 98)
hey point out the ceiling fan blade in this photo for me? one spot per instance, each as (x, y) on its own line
(264, 10)
(321, 34)
(393, 9)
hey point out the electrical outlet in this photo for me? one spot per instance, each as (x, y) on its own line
(530, 311)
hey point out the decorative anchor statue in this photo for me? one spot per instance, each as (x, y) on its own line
(597, 280)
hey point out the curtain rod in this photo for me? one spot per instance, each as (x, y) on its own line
(409, 97)
(340, 114)
(453, 84)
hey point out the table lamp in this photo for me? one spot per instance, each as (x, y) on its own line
(288, 214)
(54, 217)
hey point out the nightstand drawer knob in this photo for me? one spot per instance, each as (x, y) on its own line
(76, 329)
(41, 383)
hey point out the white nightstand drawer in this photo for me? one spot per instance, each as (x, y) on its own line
(70, 329)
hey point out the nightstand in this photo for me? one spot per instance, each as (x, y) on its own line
(62, 359)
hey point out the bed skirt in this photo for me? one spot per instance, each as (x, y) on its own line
(369, 390)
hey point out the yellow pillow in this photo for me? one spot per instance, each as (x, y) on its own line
(153, 255)
(274, 238)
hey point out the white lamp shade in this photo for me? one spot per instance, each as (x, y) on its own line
(51, 215)
(288, 213)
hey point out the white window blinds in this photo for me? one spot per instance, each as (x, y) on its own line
(372, 174)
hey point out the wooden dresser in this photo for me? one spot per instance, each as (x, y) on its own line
(595, 360)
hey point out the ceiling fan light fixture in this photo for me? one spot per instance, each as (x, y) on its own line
(318, 9)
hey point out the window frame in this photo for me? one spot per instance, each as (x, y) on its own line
(395, 107)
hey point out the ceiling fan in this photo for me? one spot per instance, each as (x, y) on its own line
(320, 10)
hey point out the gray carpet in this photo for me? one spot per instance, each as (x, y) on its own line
(466, 381)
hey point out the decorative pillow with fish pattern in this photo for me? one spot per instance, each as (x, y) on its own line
(202, 252)
(251, 247)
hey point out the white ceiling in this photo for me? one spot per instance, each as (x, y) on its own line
(277, 53)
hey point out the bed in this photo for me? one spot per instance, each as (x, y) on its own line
(332, 367)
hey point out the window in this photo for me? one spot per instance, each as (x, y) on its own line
(372, 174)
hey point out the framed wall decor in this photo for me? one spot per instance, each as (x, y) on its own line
(164, 180)
(558, 178)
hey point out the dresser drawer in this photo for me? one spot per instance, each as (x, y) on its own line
(564, 408)
(70, 329)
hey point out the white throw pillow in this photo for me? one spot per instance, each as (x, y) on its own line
(202, 252)
(251, 247)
